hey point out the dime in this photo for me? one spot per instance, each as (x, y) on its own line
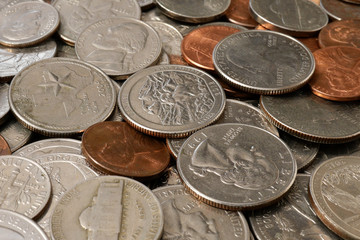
(236, 166)
(16, 226)
(4, 147)
(25, 186)
(263, 62)
(291, 218)
(340, 10)
(119, 46)
(333, 193)
(76, 16)
(193, 11)
(13, 60)
(337, 73)
(15, 134)
(4, 102)
(171, 100)
(61, 96)
(27, 23)
(301, 18)
(117, 148)
(185, 217)
(239, 13)
(109, 207)
(341, 33)
(311, 118)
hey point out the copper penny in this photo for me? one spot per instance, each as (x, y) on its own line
(337, 73)
(239, 13)
(340, 10)
(341, 33)
(117, 148)
(197, 47)
(4, 147)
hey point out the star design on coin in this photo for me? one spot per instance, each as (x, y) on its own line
(56, 82)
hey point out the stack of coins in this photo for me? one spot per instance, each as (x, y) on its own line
(179, 120)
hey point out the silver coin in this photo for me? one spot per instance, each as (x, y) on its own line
(334, 192)
(236, 166)
(291, 218)
(13, 60)
(263, 62)
(340, 10)
(8, 3)
(27, 23)
(61, 96)
(15, 226)
(119, 46)
(64, 50)
(49, 146)
(187, 218)
(108, 207)
(168, 178)
(64, 175)
(163, 59)
(311, 118)
(193, 11)
(226, 24)
(15, 134)
(300, 18)
(116, 114)
(25, 186)
(171, 100)
(146, 4)
(4, 102)
(75, 16)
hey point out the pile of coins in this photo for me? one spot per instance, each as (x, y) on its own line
(150, 120)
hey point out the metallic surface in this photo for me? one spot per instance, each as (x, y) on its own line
(15, 134)
(239, 13)
(4, 102)
(4, 147)
(340, 10)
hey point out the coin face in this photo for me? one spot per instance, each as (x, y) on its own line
(333, 192)
(4, 147)
(236, 166)
(340, 10)
(15, 134)
(239, 13)
(27, 23)
(171, 100)
(110, 206)
(61, 96)
(263, 62)
(4, 101)
(119, 46)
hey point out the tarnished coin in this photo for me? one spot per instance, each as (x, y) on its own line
(263, 62)
(15, 134)
(13, 60)
(334, 192)
(291, 218)
(300, 18)
(25, 186)
(4, 102)
(16, 226)
(75, 16)
(239, 13)
(311, 118)
(340, 10)
(108, 207)
(341, 33)
(337, 73)
(27, 23)
(4, 147)
(187, 218)
(171, 100)
(193, 11)
(119, 46)
(117, 148)
(236, 166)
(61, 96)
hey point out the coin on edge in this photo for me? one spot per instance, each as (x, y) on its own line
(61, 96)
(108, 207)
(236, 166)
(171, 100)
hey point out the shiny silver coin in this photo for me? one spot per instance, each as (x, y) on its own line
(15, 134)
(171, 100)
(340, 10)
(187, 218)
(311, 118)
(291, 218)
(76, 16)
(236, 166)
(108, 207)
(193, 11)
(13, 60)
(25, 186)
(4, 102)
(61, 96)
(15, 226)
(334, 190)
(300, 18)
(119, 46)
(27, 23)
(263, 62)
(8, 3)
